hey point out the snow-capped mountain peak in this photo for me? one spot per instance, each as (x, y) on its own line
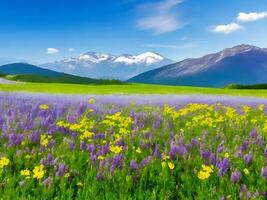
(94, 57)
(104, 65)
(147, 58)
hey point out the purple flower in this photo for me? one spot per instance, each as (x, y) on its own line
(90, 147)
(48, 181)
(220, 148)
(72, 145)
(134, 165)
(235, 176)
(156, 123)
(117, 162)
(49, 161)
(244, 193)
(105, 149)
(99, 176)
(264, 172)
(99, 136)
(256, 194)
(82, 145)
(101, 164)
(248, 159)
(146, 161)
(172, 153)
(120, 142)
(62, 170)
(244, 146)
(223, 166)
(15, 139)
(157, 153)
(223, 198)
(51, 143)
(193, 142)
(260, 140)
(253, 133)
(203, 153)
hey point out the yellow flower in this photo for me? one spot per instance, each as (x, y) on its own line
(116, 149)
(4, 161)
(171, 165)
(86, 135)
(44, 141)
(246, 171)
(254, 121)
(165, 157)
(138, 150)
(205, 172)
(226, 155)
(208, 169)
(261, 107)
(44, 107)
(91, 101)
(79, 184)
(202, 175)
(163, 164)
(67, 175)
(25, 172)
(101, 157)
(38, 172)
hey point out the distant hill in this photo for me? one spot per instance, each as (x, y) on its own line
(243, 64)
(30, 73)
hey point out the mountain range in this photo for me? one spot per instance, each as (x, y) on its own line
(243, 64)
(104, 65)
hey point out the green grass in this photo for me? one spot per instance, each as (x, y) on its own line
(124, 89)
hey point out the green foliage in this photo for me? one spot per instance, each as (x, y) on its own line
(251, 87)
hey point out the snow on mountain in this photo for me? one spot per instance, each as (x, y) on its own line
(103, 65)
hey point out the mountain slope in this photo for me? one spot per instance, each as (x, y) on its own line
(102, 65)
(242, 64)
(30, 73)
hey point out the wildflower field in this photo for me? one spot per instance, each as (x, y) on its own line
(132, 147)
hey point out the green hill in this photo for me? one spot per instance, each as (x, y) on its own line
(24, 72)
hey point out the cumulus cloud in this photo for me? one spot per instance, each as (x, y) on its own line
(159, 17)
(52, 51)
(226, 28)
(70, 49)
(249, 17)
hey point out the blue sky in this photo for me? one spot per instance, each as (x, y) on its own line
(174, 28)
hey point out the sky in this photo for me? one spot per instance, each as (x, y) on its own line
(40, 31)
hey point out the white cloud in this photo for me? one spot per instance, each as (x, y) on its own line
(52, 51)
(169, 46)
(70, 49)
(159, 17)
(226, 28)
(249, 17)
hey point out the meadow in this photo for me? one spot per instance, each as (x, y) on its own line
(125, 89)
(132, 147)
